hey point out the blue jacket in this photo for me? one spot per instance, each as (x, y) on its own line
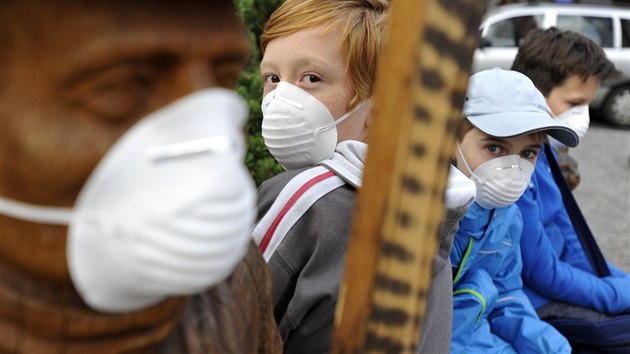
(554, 265)
(491, 314)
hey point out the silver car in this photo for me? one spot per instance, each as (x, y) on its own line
(609, 26)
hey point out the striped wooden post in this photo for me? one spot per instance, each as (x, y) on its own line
(420, 86)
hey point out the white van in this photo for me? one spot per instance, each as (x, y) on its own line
(609, 26)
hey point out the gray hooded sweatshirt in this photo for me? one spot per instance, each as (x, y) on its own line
(306, 258)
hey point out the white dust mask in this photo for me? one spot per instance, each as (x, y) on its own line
(167, 211)
(298, 129)
(577, 118)
(500, 181)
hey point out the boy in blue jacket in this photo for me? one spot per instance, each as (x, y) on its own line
(560, 280)
(505, 122)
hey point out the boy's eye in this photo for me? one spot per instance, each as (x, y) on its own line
(310, 78)
(271, 79)
(529, 154)
(493, 148)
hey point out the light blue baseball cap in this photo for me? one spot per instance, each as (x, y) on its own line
(505, 103)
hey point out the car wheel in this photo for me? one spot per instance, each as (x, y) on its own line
(617, 107)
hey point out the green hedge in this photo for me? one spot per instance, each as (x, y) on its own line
(260, 163)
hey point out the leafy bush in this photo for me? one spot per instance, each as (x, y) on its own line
(259, 161)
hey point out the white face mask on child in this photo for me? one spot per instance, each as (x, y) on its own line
(500, 181)
(298, 129)
(577, 118)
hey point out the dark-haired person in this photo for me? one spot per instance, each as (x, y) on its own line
(559, 277)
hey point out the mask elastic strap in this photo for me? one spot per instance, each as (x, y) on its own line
(464, 159)
(344, 117)
(35, 213)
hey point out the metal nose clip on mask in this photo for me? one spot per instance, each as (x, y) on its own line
(298, 129)
(167, 211)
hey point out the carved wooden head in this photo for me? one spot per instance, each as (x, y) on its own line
(75, 75)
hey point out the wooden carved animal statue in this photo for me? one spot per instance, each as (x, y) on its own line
(421, 81)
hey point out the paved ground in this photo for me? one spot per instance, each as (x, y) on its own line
(604, 192)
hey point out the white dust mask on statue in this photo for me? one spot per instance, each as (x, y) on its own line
(167, 211)
(500, 181)
(298, 129)
(577, 118)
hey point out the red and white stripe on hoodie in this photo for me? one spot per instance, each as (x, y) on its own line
(297, 196)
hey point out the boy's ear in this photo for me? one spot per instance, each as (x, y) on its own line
(370, 111)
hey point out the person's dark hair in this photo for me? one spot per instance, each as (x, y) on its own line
(548, 57)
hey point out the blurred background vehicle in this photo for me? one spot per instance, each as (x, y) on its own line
(504, 27)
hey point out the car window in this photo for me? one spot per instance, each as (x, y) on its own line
(625, 33)
(598, 29)
(510, 32)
